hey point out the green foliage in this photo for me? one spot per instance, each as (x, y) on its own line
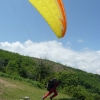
(33, 83)
(74, 82)
(79, 85)
(12, 68)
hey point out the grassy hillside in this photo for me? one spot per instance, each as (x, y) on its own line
(74, 82)
(15, 90)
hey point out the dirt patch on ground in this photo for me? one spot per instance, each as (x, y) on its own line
(6, 83)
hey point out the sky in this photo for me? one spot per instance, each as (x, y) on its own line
(23, 30)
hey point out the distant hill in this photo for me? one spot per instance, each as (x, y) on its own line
(74, 82)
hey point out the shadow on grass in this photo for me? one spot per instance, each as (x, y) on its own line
(67, 99)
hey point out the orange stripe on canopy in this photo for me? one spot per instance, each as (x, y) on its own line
(63, 20)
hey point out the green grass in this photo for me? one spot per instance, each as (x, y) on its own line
(15, 90)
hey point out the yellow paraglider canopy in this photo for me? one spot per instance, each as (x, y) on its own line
(54, 13)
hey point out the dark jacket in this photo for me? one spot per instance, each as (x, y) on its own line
(52, 84)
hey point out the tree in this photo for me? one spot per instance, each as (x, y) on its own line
(42, 71)
(12, 68)
(2, 62)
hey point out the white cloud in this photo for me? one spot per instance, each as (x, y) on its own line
(86, 60)
(80, 41)
(68, 43)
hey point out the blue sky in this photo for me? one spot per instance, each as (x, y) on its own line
(23, 30)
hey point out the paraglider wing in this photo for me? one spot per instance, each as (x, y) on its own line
(54, 13)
